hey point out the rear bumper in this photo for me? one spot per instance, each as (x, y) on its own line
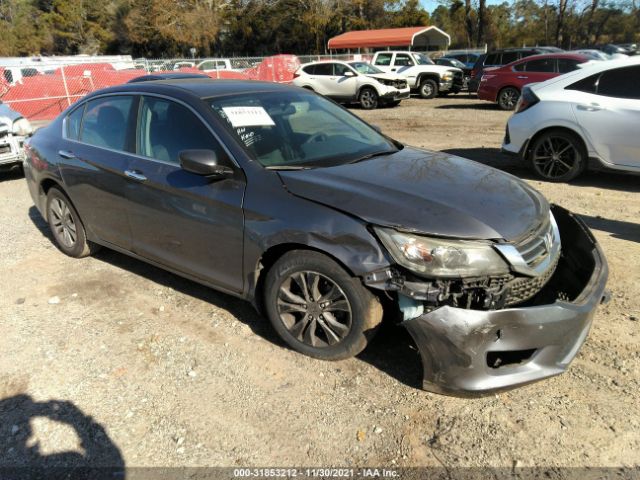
(470, 352)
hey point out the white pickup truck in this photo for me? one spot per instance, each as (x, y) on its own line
(423, 76)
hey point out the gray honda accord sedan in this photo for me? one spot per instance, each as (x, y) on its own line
(281, 197)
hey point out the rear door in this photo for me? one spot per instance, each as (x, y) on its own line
(94, 156)
(609, 113)
(187, 222)
(538, 70)
(325, 81)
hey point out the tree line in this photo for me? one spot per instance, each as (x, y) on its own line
(172, 28)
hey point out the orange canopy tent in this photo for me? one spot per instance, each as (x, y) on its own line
(420, 37)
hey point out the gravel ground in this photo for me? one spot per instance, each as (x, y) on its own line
(132, 365)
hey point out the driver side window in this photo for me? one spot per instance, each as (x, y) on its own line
(340, 70)
(166, 128)
(403, 60)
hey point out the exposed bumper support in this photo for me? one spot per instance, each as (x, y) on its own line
(471, 352)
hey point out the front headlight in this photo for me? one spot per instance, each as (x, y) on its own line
(443, 258)
(22, 127)
(447, 76)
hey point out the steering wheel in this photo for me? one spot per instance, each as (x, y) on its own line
(318, 137)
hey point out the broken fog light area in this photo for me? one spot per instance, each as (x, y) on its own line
(509, 357)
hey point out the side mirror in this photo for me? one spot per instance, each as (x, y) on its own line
(349, 73)
(204, 162)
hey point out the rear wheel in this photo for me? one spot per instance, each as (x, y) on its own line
(66, 226)
(428, 88)
(508, 97)
(368, 98)
(558, 156)
(317, 308)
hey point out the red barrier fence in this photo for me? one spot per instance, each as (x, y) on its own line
(42, 95)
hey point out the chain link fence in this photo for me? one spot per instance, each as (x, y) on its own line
(42, 88)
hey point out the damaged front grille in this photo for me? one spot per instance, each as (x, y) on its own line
(522, 289)
(536, 247)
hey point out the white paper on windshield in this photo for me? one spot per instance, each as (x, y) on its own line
(248, 117)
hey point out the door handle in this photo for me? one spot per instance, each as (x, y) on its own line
(66, 154)
(522, 77)
(594, 107)
(135, 174)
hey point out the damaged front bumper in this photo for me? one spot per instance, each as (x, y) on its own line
(473, 352)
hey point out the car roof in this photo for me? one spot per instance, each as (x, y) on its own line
(201, 88)
(167, 76)
(570, 56)
(591, 68)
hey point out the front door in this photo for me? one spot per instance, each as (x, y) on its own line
(187, 222)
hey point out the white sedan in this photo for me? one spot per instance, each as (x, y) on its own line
(586, 118)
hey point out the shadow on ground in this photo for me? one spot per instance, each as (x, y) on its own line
(22, 456)
(512, 164)
(470, 106)
(391, 351)
(8, 175)
(617, 228)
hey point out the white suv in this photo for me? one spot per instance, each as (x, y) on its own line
(352, 82)
(589, 116)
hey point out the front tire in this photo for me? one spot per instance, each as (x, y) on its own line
(317, 308)
(428, 88)
(368, 98)
(508, 98)
(558, 156)
(67, 228)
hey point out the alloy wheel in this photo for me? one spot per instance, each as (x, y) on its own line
(314, 309)
(509, 98)
(555, 157)
(368, 99)
(64, 227)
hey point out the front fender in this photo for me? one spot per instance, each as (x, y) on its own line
(286, 220)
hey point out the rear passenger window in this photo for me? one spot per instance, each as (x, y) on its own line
(105, 122)
(588, 85)
(383, 59)
(311, 69)
(74, 120)
(492, 59)
(508, 57)
(166, 128)
(542, 65)
(323, 69)
(620, 83)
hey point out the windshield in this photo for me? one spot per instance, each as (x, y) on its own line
(298, 130)
(365, 68)
(422, 59)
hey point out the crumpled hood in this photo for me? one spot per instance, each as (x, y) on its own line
(426, 192)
